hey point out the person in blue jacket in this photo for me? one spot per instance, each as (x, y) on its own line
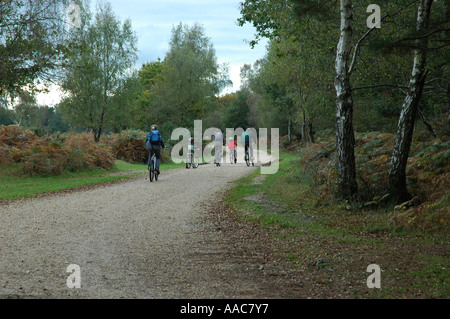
(154, 142)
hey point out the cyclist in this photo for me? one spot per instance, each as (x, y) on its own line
(191, 150)
(232, 148)
(154, 143)
(247, 140)
(218, 143)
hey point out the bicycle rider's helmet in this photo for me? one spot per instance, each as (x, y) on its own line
(154, 127)
(231, 139)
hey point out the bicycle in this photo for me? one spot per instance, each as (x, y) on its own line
(152, 169)
(247, 157)
(193, 161)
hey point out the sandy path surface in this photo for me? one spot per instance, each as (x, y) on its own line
(133, 239)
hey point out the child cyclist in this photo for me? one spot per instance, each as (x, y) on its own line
(191, 150)
(232, 144)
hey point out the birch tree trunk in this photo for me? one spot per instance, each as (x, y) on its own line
(345, 136)
(405, 130)
(305, 135)
(289, 129)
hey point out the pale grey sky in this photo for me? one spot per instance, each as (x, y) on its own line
(153, 21)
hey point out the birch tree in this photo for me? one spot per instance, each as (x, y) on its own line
(345, 136)
(102, 52)
(405, 130)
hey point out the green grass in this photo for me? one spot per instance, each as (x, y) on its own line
(286, 202)
(286, 205)
(16, 187)
(434, 273)
(122, 166)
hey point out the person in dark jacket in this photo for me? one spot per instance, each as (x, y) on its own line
(154, 143)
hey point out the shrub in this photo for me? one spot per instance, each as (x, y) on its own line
(52, 155)
(13, 135)
(129, 146)
(93, 155)
(428, 216)
(428, 177)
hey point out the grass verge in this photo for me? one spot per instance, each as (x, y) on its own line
(15, 187)
(332, 244)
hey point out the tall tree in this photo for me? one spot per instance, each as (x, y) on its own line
(23, 111)
(150, 76)
(397, 170)
(236, 115)
(102, 52)
(345, 136)
(32, 35)
(262, 14)
(191, 77)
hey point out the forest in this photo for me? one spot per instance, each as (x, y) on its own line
(362, 96)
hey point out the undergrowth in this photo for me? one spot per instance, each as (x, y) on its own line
(428, 178)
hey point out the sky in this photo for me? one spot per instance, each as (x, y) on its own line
(153, 20)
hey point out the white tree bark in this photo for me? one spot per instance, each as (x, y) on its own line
(345, 139)
(405, 130)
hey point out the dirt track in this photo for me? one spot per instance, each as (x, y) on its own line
(133, 239)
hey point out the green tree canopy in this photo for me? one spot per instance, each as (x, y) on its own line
(191, 78)
(32, 41)
(101, 54)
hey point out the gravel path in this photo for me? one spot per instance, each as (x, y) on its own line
(132, 239)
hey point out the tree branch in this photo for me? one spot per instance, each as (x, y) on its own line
(378, 86)
(358, 44)
(427, 124)
(423, 35)
(356, 50)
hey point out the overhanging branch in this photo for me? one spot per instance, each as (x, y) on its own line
(379, 86)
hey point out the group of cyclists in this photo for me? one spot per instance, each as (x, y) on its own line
(154, 143)
(248, 138)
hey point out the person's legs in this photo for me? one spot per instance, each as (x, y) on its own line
(190, 157)
(218, 153)
(246, 146)
(157, 151)
(150, 154)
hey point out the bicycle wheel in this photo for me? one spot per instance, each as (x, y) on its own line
(194, 161)
(247, 159)
(151, 172)
(152, 169)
